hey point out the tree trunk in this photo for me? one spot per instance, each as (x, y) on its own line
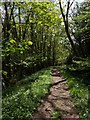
(65, 19)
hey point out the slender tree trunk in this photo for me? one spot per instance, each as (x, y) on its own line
(65, 19)
(7, 26)
(25, 30)
(19, 24)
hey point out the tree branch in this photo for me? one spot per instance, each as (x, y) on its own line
(67, 13)
(12, 10)
(26, 26)
(62, 11)
(71, 3)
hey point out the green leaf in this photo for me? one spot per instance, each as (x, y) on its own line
(39, 22)
(30, 43)
(21, 52)
(12, 41)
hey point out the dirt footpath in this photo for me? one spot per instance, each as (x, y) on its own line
(59, 99)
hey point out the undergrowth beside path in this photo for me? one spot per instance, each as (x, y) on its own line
(57, 104)
(78, 88)
(20, 101)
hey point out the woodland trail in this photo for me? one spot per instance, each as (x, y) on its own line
(57, 99)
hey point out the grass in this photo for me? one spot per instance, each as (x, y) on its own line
(78, 89)
(56, 114)
(21, 101)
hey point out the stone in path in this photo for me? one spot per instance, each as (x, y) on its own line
(58, 98)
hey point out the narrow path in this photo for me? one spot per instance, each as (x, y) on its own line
(58, 98)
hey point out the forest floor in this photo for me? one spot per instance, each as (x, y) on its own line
(58, 103)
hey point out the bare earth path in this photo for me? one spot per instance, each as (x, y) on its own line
(58, 98)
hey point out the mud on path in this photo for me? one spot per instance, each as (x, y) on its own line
(58, 98)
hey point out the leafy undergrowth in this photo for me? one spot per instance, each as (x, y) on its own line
(22, 100)
(78, 89)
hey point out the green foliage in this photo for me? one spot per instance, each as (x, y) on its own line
(56, 114)
(21, 101)
(30, 31)
(80, 95)
(33, 37)
(62, 54)
(78, 90)
(82, 64)
(82, 29)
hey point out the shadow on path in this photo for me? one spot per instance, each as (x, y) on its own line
(58, 98)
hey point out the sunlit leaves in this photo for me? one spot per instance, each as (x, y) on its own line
(34, 33)
(12, 41)
(30, 43)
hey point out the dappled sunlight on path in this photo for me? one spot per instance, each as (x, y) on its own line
(57, 98)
